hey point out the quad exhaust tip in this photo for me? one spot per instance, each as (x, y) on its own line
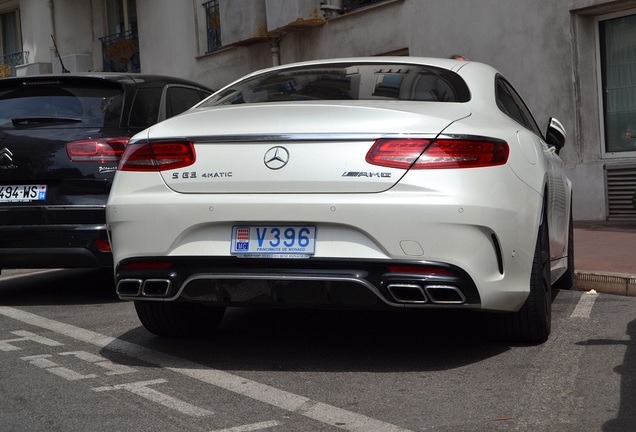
(144, 288)
(435, 294)
(408, 293)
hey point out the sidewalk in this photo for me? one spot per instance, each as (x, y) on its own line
(605, 257)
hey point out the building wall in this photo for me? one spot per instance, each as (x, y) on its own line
(36, 32)
(168, 40)
(546, 48)
(74, 35)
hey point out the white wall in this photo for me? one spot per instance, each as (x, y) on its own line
(73, 34)
(36, 30)
(167, 36)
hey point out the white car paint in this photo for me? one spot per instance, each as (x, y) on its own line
(361, 211)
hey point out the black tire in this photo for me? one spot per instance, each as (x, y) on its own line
(167, 319)
(566, 281)
(532, 323)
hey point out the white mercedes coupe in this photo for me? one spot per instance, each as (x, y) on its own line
(383, 182)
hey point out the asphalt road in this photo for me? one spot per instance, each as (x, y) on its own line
(74, 358)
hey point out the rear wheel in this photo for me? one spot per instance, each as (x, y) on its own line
(532, 323)
(169, 319)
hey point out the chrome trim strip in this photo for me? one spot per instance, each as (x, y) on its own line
(212, 139)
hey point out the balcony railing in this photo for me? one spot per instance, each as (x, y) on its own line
(10, 61)
(120, 52)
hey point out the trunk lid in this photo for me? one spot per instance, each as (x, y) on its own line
(297, 148)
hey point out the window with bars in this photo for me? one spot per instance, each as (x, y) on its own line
(120, 48)
(213, 25)
(11, 54)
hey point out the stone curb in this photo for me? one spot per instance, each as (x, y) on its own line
(603, 282)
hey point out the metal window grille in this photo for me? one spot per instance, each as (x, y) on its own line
(10, 61)
(120, 52)
(213, 24)
(620, 188)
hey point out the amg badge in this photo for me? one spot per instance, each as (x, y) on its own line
(367, 174)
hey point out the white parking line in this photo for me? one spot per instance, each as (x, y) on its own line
(42, 361)
(318, 411)
(113, 369)
(250, 427)
(583, 308)
(142, 389)
(26, 336)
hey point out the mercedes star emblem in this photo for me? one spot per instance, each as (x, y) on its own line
(276, 158)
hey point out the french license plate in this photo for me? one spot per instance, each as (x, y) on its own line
(22, 193)
(274, 241)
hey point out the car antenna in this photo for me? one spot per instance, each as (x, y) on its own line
(64, 70)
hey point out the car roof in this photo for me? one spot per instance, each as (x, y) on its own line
(445, 63)
(125, 79)
(457, 66)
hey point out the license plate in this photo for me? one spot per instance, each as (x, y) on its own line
(274, 241)
(22, 193)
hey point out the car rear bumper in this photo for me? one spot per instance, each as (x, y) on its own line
(324, 283)
(53, 246)
(490, 237)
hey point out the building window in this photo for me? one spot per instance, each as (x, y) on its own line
(213, 25)
(120, 48)
(617, 42)
(121, 16)
(351, 5)
(10, 43)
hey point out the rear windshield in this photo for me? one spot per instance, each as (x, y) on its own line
(55, 103)
(381, 81)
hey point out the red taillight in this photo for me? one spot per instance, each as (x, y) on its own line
(103, 245)
(441, 153)
(422, 270)
(96, 150)
(452, 153)
(159, 156)
(396, 153)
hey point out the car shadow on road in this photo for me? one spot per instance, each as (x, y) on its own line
(57, 287)
(319, 340)
(626, 417)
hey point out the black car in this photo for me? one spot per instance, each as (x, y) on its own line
(61, 137)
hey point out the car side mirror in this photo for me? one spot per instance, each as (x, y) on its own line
(555, 135)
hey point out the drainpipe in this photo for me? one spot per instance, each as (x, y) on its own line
(275, 46)
(51, 7)
(332, 8)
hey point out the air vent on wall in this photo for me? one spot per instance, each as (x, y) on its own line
(620, 181)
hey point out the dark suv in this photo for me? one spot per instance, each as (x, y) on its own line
(61, 137)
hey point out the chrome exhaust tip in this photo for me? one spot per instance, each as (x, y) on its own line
(407, 293)
(445, 294)
(156, 288)
(129, 287)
